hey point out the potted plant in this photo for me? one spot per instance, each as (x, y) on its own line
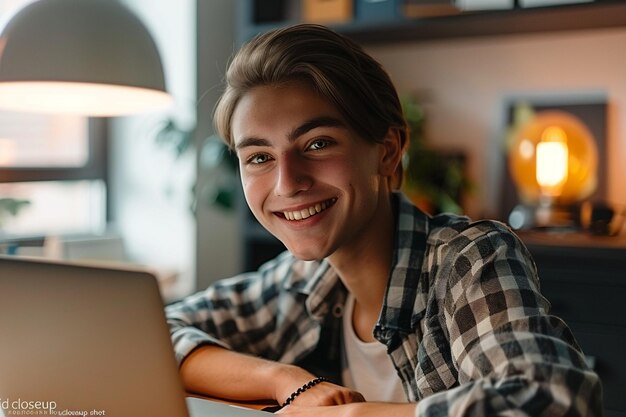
(217, 165)
(10, 207)
(433, 179)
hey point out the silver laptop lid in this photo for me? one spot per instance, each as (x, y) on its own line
(79, 340)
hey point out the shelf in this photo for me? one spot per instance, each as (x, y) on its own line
(595, 15)
(501, 22)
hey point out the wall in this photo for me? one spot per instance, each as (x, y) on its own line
(218, 236)
(466, 82)
(152, 191)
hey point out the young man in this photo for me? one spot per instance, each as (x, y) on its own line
(417, 315)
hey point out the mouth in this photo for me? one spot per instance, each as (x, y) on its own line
(309, 211)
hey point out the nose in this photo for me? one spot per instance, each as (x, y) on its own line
(293, 175)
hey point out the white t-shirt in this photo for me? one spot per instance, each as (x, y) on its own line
(369, 369)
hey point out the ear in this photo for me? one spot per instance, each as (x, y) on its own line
(391, 153)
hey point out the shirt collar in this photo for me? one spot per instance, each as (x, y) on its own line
(319, 287)
(405, 298)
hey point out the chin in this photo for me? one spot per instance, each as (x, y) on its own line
(307, 254)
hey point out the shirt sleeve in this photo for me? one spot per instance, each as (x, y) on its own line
(236, 313)
(512, 357)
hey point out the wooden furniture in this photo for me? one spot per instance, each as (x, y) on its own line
(584, 278)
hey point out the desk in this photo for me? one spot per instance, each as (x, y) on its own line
(256, 405)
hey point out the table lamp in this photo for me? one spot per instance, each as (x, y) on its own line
(85, 57)
(553, 161)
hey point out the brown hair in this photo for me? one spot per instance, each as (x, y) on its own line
(333, 65)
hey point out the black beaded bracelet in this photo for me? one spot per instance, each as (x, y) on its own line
(303, 388)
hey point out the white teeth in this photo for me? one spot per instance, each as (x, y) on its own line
(308, 212)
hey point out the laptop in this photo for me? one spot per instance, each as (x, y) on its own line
(79, 340)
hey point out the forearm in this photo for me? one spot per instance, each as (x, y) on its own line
(218, 372)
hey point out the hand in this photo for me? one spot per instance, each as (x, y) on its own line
(325, 394)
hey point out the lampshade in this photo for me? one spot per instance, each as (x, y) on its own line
(88, 57)
(554, 155)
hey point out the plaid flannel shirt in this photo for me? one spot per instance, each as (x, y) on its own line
(463, 321)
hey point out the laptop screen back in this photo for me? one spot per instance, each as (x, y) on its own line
(78, 340)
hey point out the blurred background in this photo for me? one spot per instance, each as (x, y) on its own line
(158, 189)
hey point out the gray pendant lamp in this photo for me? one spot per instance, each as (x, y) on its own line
(86, 57)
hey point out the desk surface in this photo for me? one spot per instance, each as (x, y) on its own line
(572, 239)
(256, 405)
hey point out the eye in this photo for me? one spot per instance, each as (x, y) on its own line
(319, 144)
(257, 159)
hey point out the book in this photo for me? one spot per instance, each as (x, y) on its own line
(378, 10)
(327, 11)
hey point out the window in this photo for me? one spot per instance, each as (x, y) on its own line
(56, 167)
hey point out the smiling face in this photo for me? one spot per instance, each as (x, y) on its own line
(307, 177)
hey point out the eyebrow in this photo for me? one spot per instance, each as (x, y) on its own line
(322, 121)
(252, 141)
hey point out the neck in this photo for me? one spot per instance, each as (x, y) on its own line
(364, 268)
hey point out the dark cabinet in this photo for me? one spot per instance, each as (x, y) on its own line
(584, 279)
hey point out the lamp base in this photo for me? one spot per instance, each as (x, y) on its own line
(546, 217)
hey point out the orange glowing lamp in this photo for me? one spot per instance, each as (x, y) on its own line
(553, 156)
